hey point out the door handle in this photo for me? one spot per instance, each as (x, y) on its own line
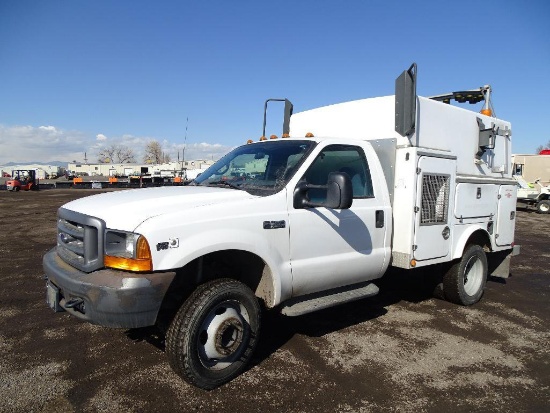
(379, 219)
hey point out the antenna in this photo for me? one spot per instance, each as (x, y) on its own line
(184, 143)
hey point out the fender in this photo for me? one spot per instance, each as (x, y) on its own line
(202, 242)
(180, 236)
(242, 240)
(460, 243)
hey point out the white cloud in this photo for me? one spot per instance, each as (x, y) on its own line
(40, 144)
(202, 150)
(48, 128)
(50, 143)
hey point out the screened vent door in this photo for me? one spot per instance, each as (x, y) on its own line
(435, 192)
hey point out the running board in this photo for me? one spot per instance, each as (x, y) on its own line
(325, 299)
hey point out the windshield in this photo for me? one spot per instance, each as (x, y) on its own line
(260, 168)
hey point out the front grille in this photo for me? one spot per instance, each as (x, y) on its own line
(80, 240)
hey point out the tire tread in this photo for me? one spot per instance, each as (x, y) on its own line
(453, 284)
(177, 342)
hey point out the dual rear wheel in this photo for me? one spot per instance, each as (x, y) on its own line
(465, 280)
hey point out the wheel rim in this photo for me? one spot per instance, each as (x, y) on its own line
(223, 335)
(473, 275)
(544, 207)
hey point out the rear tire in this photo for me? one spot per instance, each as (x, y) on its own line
(214, 333)
(465, 281)
(543, 207)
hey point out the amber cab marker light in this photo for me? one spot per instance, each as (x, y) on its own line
(143, 252)
(309, 135)
(413, 263)
(249, 141)
(487, 112)
(285, 135)
(263, 138)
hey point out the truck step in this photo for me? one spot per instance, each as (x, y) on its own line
(325, 299)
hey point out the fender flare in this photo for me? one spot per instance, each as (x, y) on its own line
(239, 240)
(479, 231)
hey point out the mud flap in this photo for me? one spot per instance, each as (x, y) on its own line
(499, 262)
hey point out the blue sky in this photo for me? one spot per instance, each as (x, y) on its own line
(78, 75)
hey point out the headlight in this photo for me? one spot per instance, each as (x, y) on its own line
(127, 251)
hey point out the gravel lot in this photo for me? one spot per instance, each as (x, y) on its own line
(402, 350)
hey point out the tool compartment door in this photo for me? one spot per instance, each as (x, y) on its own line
(506, 215)
(435, 195)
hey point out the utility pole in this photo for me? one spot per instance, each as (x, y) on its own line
(184, 143)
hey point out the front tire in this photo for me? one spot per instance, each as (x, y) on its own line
(543, 207)
(214, 333)
(465, 281)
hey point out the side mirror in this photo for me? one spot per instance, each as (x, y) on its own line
(339, 193)
(405, 101)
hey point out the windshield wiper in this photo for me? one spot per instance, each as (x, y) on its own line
(222, 182)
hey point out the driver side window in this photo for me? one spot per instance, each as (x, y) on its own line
(340, 158)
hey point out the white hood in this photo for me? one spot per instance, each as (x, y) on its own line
(125, 210)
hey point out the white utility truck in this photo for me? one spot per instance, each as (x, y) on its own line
(531, 196)
(295, 224)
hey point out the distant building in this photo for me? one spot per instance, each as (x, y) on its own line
(129, 169)
(532, 167)
(42, 171)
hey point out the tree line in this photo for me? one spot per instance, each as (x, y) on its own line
(154, 153)
(124, 154)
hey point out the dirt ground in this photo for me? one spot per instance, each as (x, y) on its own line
(403, 350)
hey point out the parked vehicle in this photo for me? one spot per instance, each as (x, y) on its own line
(532, 167)
(317, 218)
(534, 195)
(25, 180)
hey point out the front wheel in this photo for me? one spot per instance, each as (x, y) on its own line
(465, 281)
(543, 207)
(214, 333)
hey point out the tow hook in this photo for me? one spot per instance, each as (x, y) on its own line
(77, 304)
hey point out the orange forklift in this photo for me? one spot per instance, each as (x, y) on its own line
(23, 180)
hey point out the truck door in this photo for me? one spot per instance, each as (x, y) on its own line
(506, 215)
(331, 248)
(435, 191)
